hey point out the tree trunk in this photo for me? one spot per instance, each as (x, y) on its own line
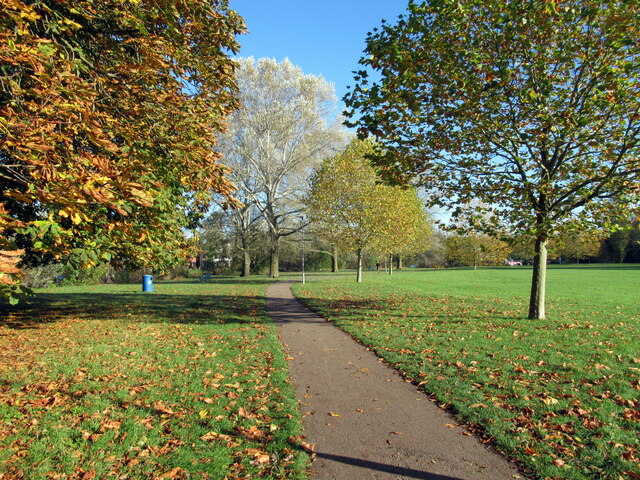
(246, 257)
(274, 265)
(246, 264)
(359, 273)
(399, 262)
(334, 259)
(539, 281)
(390, 264)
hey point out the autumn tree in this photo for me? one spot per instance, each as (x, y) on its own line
(352, 210)
(405, 227)
(530, 106)
(474, 249)
(108, 116)
(285, 126)
(578, 244)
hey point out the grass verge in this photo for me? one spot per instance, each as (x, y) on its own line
(561, 395)
(107, 382)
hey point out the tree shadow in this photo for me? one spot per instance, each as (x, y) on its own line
(360, 310)
(384, 467)
(591, 266)
(154, 308)
(222, 280)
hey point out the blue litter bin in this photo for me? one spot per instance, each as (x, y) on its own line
(147, 283)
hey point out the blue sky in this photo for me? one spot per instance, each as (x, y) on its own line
(323, 37)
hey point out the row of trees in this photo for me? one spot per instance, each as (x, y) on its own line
(276, 143)
(286, 132)
(222, 252)
(343, 205)
(352, 211)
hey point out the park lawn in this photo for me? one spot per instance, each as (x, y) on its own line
(561, 395)
(107, 382)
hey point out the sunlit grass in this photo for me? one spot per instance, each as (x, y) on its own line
(561, 395)
(108, 382)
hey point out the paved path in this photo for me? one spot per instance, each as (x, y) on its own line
(365, 420)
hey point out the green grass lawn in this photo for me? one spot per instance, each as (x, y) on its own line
(107, 382)
(561, 395)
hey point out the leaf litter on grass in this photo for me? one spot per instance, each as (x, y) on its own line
(122, 384)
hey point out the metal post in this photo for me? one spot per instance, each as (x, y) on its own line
(303, 279)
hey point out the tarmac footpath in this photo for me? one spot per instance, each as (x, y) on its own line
(366, 422)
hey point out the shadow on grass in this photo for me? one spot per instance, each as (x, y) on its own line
(222, 280)
(550, 266)
(591, 266)
(160, 308)
(357, 311)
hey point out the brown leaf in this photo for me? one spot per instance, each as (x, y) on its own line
(162, 408)
(251, 433)
(84, 475)
(259, 456)
(110, 425)
(591, 423)
(209, 437)
(172, 474)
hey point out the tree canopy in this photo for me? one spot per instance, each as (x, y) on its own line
(532, 107)
(108, 116)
